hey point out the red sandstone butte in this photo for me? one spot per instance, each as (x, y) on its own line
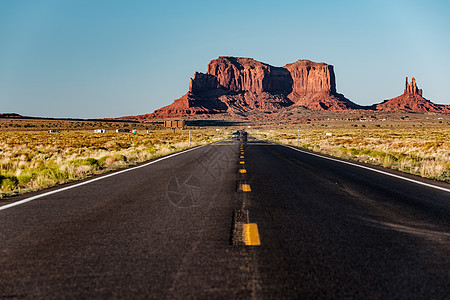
(239, 85)
(314, 87)
(411, 100)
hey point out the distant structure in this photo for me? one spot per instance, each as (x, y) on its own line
(174, 124)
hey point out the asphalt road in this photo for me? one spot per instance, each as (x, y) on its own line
(168, 230)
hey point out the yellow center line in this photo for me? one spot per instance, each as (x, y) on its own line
(251, 235)
(242, 171)
(242, 156)
(246, 187)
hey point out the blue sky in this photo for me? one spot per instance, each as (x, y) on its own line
(92, 58)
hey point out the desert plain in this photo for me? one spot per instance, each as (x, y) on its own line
(32, 158)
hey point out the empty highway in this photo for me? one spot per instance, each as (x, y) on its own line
(237, 220)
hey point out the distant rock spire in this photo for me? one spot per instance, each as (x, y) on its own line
(412, 88)
(406, 86)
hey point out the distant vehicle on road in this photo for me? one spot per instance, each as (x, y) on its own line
(240, 134)
(123, 130)
(54, 131)
(244, 135)
(99, 130)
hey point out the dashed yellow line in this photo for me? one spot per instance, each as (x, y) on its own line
(251, 235)
(242, 171)
(246, 187)
(242, 162)
(241, 157)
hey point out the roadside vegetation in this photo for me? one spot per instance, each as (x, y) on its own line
(49, 124)
(33, 160)
(423, 151)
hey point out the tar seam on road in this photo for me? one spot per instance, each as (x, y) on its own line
(371, 169)
(93, 180)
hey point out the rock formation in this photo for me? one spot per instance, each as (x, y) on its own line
(238, 85)
(245, 87)
(412, 88)
(10, 115)
(411, 100)
(314, 87)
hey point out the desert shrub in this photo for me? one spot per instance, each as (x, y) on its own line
(120, 157)
(53, 173)
(24, 179)
(432, 169)
(102, 161)
(151, 150)
(364, 151)
(353, 151)
(8, 182)
(86, 162)
(6, 166)
(377, 154)
(90, 161)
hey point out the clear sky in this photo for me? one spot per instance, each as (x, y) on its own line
(98, 58)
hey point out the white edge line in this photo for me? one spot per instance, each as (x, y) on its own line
(371, 169)
(95, 179)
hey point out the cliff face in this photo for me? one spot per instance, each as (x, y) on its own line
(235, 84)
(309, 77)
(314, 87)
(411, 100)
(249, 75)
(202, 83)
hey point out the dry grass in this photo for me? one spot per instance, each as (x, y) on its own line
(33, 160)
(420, 151)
